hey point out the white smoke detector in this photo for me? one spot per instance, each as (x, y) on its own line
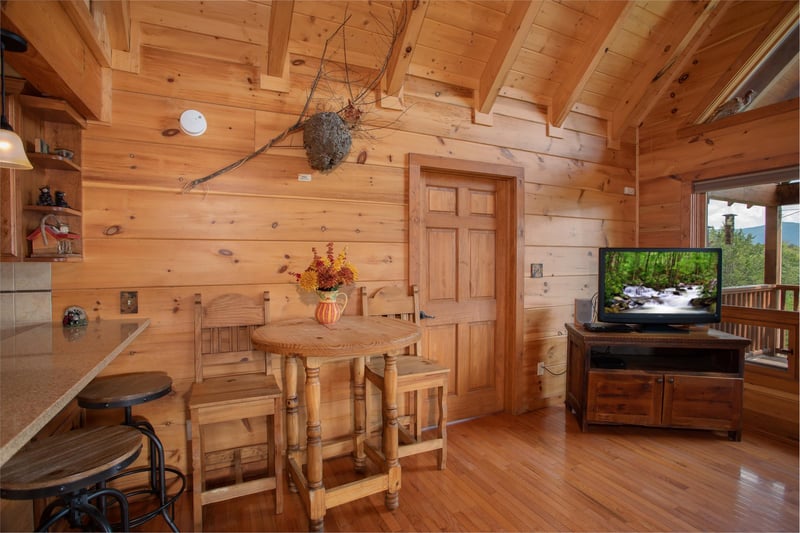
(193, 123)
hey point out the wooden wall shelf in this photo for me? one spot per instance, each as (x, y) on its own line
(53, 210)
(52, 161)
(52, 110)
(71, 258)
(54, 122)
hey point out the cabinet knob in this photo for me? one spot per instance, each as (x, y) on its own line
(659, 380)
(671, 380)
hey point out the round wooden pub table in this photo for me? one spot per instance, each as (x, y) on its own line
(351, 338)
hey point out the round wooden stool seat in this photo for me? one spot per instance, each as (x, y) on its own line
(124, 390)
(69, 461)
(73, 468)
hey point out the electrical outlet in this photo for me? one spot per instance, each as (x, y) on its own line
(539, 369)
(128, 302)
(537, 270)
(304, 177)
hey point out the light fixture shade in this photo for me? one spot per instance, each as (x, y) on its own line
(12, 153)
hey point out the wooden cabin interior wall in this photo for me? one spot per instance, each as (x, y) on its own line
(246, 230)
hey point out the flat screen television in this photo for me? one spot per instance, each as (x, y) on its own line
(660, 288)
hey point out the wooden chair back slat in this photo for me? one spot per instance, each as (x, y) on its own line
(223, 329)
(394, 302)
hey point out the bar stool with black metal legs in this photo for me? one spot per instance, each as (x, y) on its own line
(124, 391)
(73, 467)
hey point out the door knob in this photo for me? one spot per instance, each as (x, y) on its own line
(423, 315)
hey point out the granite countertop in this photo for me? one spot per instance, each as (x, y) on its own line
(44, 366)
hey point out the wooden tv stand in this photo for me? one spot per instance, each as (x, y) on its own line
(678, 380)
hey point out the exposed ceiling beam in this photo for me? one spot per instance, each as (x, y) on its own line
(516, 27)
(118, 22)
(400, 60)
(280, 26)
(672, 51)
(786, 15)
(58, 62)
(594, 49)
(94, 35)
(769, 194)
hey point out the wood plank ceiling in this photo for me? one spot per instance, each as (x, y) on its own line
(659, 65)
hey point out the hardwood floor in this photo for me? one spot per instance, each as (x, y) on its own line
(537, 472)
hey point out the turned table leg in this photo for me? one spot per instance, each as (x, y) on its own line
(390, 433)
(316, 490)
(292, 417)
(359, 414)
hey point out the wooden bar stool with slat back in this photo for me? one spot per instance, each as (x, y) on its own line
(74, 467)
(415, 375)
(124, 391)
(234, 390)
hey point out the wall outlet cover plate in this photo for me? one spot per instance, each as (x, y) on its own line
(128, 302)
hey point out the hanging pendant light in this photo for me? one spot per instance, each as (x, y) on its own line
(12, 153)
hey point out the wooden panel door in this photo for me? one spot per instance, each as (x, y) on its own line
(624, 398)
(458, 286)
(466, 249)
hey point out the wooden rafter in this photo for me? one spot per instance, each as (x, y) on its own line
(753, 195)
(95, 36)
(672, 50)
(118, 22)
(516, 26)
(51, 64)
(280, 26)
(784, 18)
(595, 48)
(398, 64)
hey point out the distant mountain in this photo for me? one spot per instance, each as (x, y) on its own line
(791, 233)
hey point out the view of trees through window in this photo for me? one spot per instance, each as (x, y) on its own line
(743, 258)
(743, 264)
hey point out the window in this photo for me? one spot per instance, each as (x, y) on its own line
(755, 219)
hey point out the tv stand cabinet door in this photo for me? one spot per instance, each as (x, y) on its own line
(624, 398)
(708, 402)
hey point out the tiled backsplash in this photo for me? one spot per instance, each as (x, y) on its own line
(25, 293)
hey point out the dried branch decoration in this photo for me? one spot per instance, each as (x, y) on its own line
(326, 135)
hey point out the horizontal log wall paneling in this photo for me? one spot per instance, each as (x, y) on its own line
(245, 230)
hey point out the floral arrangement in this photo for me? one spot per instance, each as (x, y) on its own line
(327, 273)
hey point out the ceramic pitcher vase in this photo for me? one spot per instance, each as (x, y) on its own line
(330, 306)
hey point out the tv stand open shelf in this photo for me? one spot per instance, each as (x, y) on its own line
(680, 380)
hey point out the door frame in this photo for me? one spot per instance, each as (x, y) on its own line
(511, 240)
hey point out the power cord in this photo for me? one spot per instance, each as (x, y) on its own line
(554, 373)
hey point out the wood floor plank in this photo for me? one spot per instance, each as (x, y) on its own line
(538, 472)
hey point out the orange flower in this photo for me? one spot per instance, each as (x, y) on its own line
(327, 273)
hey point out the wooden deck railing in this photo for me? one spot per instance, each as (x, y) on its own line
(768, 316)
(781, 297)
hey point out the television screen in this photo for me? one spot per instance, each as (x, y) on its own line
(668, 286)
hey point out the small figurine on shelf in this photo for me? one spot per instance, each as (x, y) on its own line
(45, 198)
(61, 200)
(74, 316)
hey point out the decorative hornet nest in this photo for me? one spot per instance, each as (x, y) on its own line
(327, 134)
(327, 140)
